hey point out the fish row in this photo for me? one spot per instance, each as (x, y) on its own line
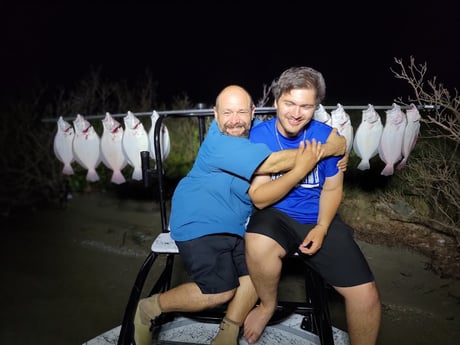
(393, 142)
(116, 148)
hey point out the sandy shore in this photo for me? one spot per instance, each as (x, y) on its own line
(68, 273)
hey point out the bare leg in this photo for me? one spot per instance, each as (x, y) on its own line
(186, 297)
(363, 311)
(237, 310)
(243, 301)
(264, 260)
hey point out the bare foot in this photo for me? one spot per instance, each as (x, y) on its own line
(255, 323)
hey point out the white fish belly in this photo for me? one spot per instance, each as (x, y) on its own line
(63, 151)
(390, 147)
(112, 152)
(133, 144)
(165, 143)
(410, 138)
(87, 151)
(347, 132)
(366, 143)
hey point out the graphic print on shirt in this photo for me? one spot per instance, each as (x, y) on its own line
(309, 181)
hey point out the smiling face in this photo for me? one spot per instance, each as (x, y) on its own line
(295, 109)
(234, 111)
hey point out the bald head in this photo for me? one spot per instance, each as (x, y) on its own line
(233, 94)
(234, 111)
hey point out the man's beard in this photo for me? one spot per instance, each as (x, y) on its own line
(244, 134)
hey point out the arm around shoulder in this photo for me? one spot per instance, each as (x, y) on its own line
(335, 145)
(277, 162)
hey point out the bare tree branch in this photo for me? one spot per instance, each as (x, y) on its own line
(432, 175)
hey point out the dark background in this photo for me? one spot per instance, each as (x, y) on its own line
(196, 49)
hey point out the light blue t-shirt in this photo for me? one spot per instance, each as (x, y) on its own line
(212, 198)
(302, 203)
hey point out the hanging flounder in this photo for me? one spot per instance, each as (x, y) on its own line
(86, 147)
(390, 147)
(111, 148)
(322, 115)
(411, 133)
(134, 141)
(165, 143)
(367, 137)
(341, 121)
(62, 145)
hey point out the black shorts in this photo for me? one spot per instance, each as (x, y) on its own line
(214, 262)
(339, 261)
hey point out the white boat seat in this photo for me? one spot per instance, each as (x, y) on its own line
(164, 244)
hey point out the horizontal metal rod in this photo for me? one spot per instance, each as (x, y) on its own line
(209, 112)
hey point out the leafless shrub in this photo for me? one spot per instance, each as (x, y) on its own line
(263, 102)
(266, 92)
(445, 120)
(95, 95)
(432, 175)
(29, 171)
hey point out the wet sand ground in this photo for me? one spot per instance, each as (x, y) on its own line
(67, 274)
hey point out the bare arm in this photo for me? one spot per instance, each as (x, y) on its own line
(335, 144)
(277, 162)
(284, 160)
(264, 192)
(330, 199)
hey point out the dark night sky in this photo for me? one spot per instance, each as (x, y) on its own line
(197, 50)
